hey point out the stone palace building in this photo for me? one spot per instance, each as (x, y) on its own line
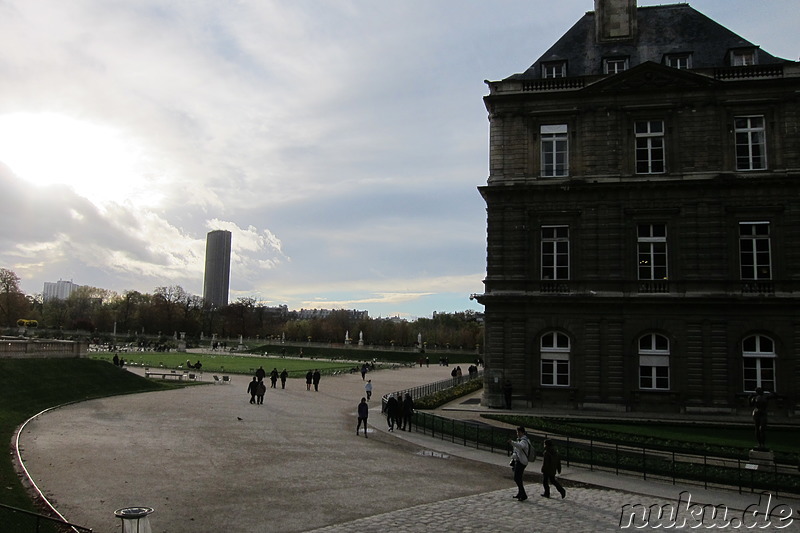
(643, 219)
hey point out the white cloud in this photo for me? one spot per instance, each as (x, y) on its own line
(340, 142)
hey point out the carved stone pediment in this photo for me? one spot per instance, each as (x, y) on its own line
(650, 77)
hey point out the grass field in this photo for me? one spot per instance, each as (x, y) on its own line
(231, 364)
(735, 438)
(739, 436)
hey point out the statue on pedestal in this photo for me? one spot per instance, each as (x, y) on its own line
(759, 402)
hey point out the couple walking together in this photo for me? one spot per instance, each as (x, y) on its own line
(524, 453)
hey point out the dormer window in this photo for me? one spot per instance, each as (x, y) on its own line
(743, 58)
(615, 65)
(679, 61)
(554, 69)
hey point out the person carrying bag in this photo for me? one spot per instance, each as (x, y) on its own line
(519, 461)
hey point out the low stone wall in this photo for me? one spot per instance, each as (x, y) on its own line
(28, 348)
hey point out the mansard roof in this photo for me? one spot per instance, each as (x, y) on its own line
(662, 30)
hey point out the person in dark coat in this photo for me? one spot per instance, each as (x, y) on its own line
(261, 373)
(507, 392)
(391, 411)
(261, 389)
(363, 413)
(284, 375)
(408, 412)
(551, 464)
(252, 389)
(309, 377)
(316, 378)
(273, 377)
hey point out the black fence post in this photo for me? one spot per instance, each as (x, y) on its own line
(673, 467)
(644, 462)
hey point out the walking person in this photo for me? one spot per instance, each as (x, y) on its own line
(309, 377)
(261, 390)
(284, 376)
(252, 387)
(273, 377)
(316, 378)
(363, 414)
(520, 459)
(551, 463)
(391, 411)
(368, 389)
(508, 390)
(408, 412)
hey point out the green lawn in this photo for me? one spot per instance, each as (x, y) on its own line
(229, 363)
(716, 439)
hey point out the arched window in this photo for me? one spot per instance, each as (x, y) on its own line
(758, 356)
(555, 359)
(653, 362)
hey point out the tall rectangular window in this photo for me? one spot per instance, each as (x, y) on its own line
(555, 353)
(649, 146)
(758, 352)
(555, 252)
(555, 150)
(652, 245)
(755, 255)
(751, 143)
(654, 362)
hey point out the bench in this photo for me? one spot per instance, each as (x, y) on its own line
(164, 375)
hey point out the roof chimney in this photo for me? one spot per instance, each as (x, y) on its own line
(615, 20)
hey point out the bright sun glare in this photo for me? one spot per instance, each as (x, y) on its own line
(97, 162)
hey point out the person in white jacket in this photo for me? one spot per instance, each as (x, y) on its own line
(521, 457)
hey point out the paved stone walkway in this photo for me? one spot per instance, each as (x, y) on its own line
(207, 461)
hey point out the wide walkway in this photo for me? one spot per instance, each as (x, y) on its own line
(208, 461)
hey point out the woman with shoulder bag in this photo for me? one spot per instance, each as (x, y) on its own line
(520, 459)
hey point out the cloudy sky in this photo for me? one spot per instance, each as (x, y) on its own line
(340, 141)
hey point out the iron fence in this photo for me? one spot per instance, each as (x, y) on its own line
(432, 388)
(673, 466)
(22, 521)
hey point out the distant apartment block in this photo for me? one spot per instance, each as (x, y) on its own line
(59, 290)
(218, 268)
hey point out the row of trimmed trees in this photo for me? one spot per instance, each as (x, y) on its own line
(101, 313)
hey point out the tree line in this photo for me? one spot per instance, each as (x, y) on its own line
(100, 313)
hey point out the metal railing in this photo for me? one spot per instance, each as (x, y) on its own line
(673, 466)
(22, 521)
(670, 465)
(432, 388)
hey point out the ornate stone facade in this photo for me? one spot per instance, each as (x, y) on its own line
(643, 222)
